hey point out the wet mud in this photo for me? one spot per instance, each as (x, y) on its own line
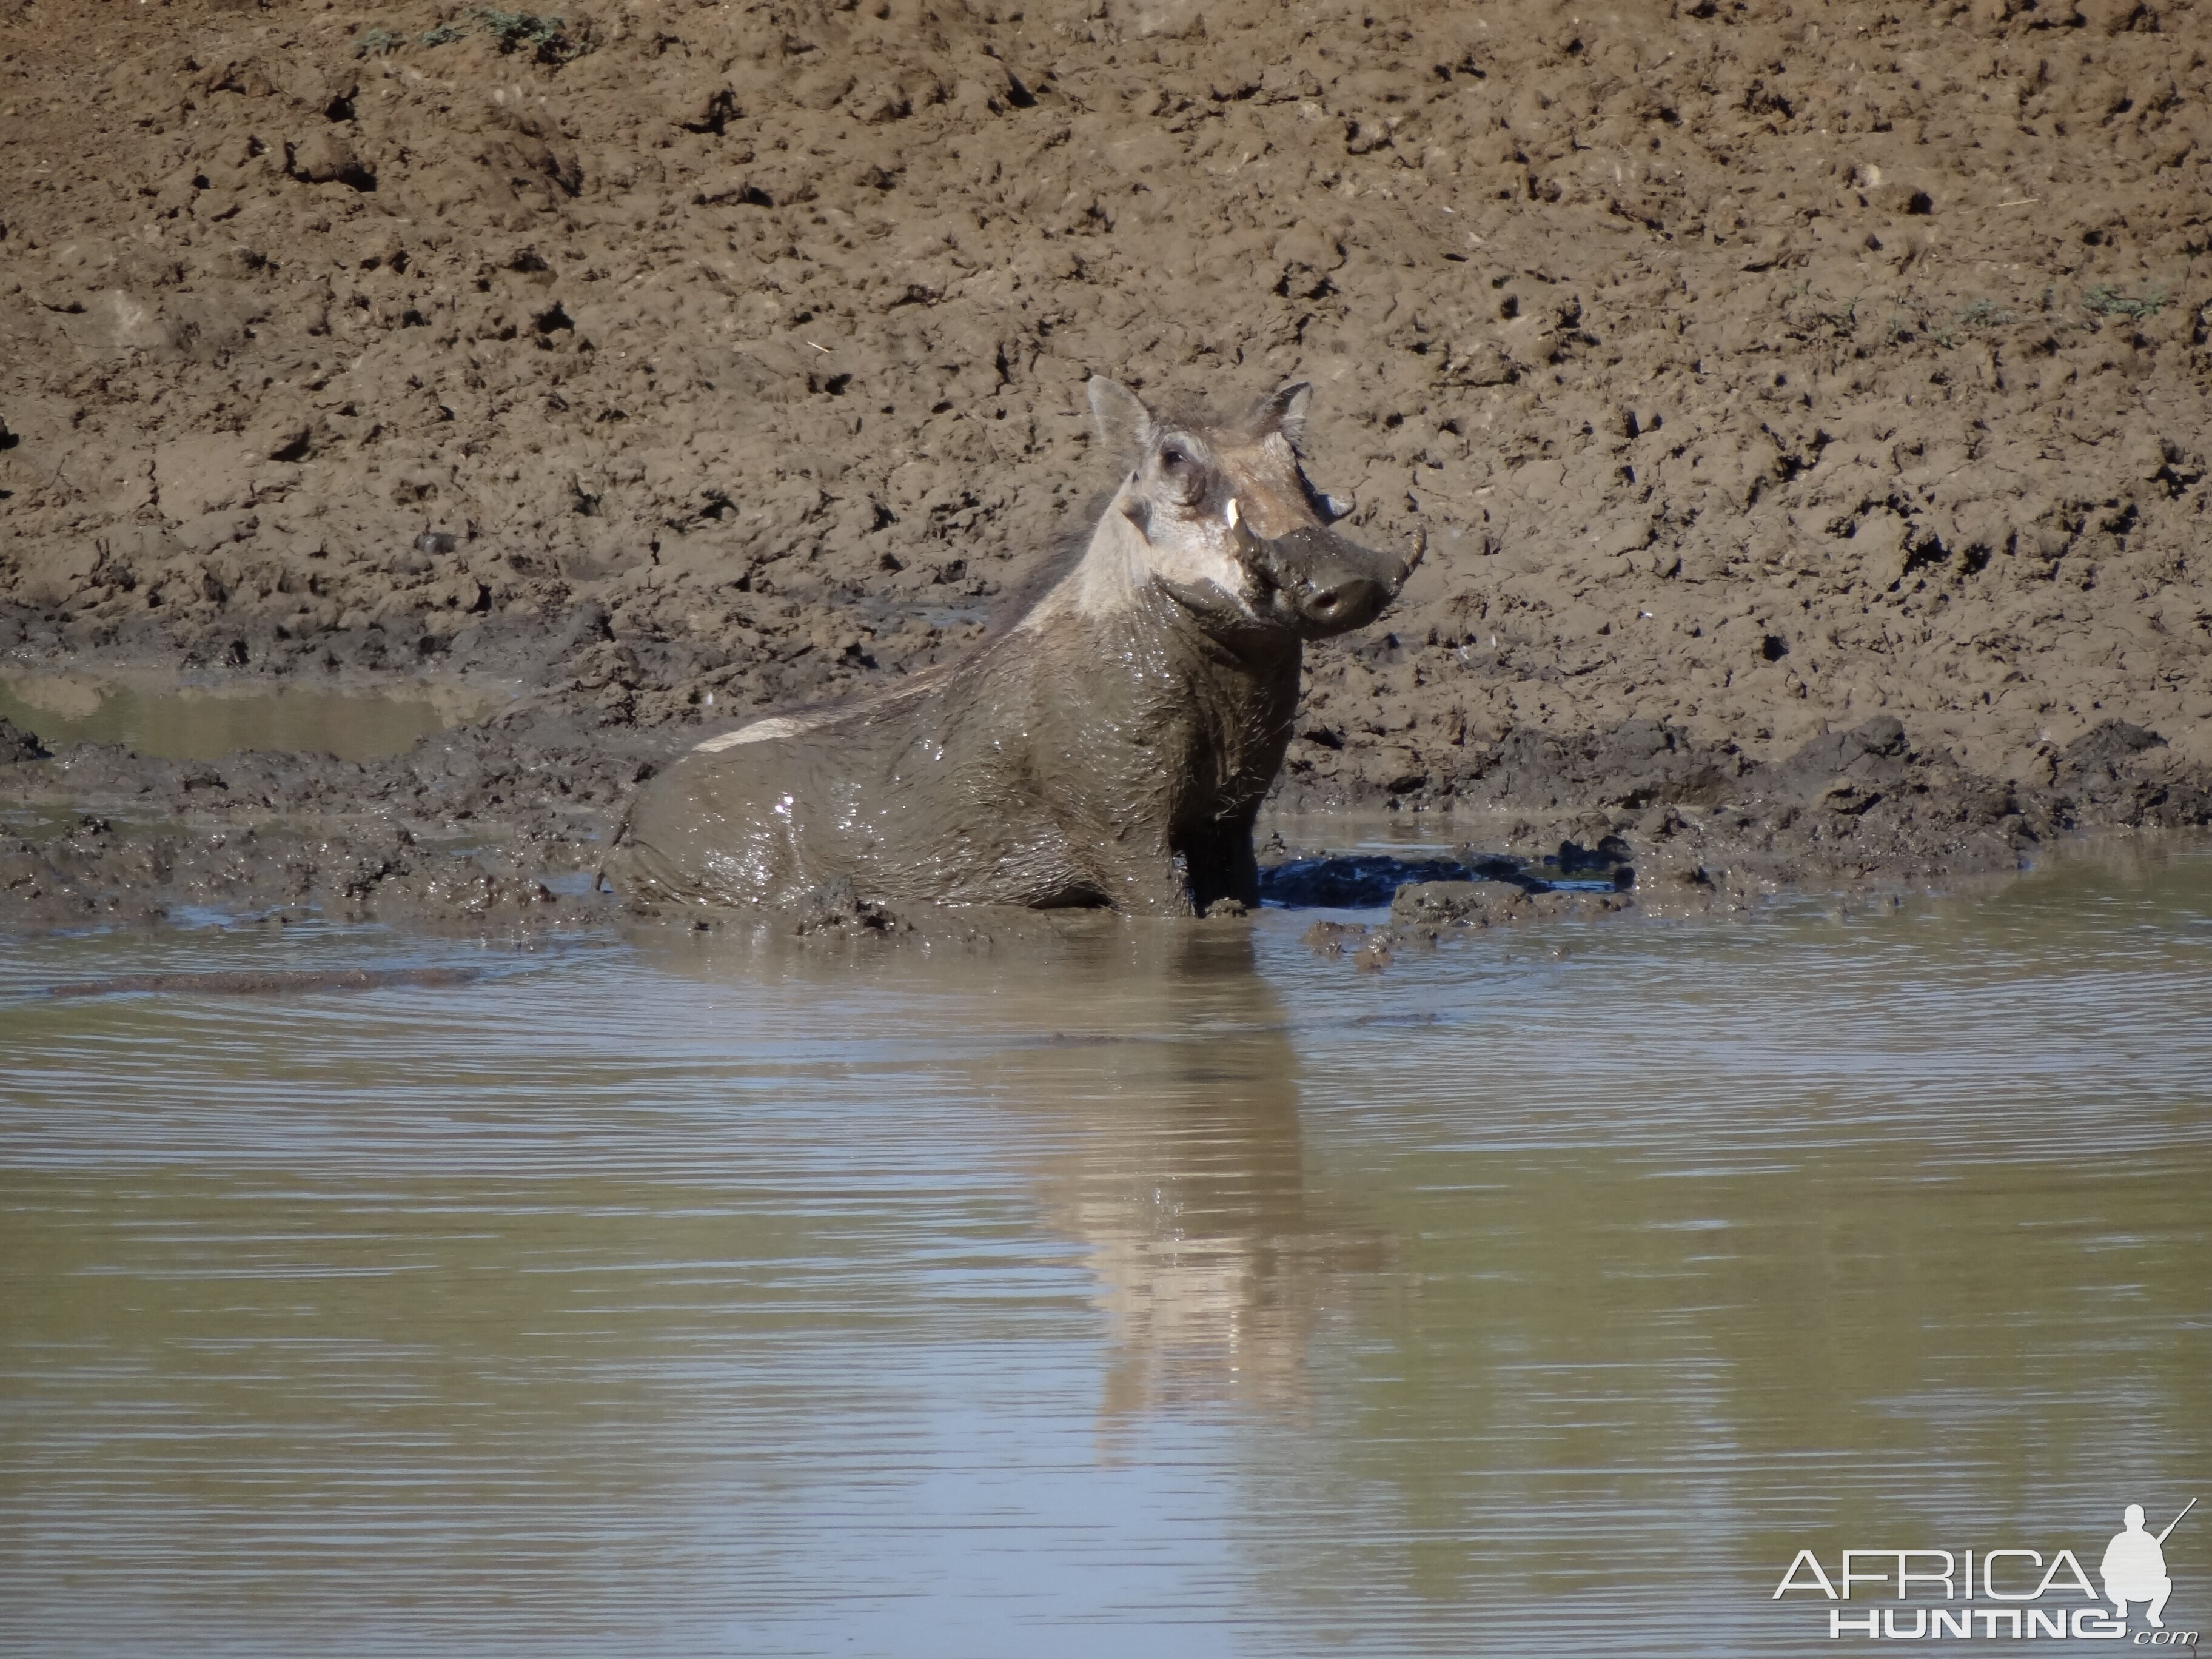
(505, 828)
(1806, 413)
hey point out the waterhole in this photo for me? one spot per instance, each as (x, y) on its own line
(182, 722)
(1133, 1289)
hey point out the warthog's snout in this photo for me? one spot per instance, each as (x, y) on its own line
(1321, 584)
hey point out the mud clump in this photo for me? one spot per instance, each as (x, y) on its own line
(1485, 904)
(1431, 898)
(1757, 373)
(17, 745)
(837, 907)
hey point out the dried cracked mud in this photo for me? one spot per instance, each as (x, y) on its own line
(1808, 406)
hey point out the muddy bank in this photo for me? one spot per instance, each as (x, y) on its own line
(476, 825)
(503, 826)
(1756, 373)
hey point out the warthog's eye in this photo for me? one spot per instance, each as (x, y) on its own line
(1183, 475)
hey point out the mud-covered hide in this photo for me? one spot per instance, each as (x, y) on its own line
(1114, 761)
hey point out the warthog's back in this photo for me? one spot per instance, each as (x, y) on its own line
(917, 803)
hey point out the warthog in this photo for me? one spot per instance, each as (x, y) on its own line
(1111, 746)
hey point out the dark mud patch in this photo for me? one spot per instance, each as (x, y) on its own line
(1357, 881)
(1351, 882)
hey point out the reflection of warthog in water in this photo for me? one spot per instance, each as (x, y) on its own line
(1111, 746)
(1143, 1084)
(1168, 1125)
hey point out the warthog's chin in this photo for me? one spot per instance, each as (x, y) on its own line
(1221, 612)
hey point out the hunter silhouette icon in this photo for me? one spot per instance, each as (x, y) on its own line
(2134, 1568)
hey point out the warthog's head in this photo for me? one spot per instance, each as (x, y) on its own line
(1218, 513)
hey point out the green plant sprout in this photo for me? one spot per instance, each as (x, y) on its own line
(544, 33)
(2106, 300)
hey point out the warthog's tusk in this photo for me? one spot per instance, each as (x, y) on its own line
(1246, 544)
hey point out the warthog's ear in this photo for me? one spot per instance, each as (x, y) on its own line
(1122, 420)
(1284, 411)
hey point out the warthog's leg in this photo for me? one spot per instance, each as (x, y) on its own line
(1139, 876)
(1221, 863)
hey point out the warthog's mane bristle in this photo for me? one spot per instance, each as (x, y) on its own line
(1022, 595)
(1026, 589)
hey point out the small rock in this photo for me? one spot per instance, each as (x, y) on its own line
(1474, 903)
(1373, 957)
(17, 745)
(1330, 938)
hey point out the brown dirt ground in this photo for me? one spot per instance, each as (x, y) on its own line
(1755, 368)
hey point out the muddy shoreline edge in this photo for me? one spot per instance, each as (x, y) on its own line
(501, 824)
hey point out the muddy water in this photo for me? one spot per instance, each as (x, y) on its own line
(183, 722)
(1143, 1289)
